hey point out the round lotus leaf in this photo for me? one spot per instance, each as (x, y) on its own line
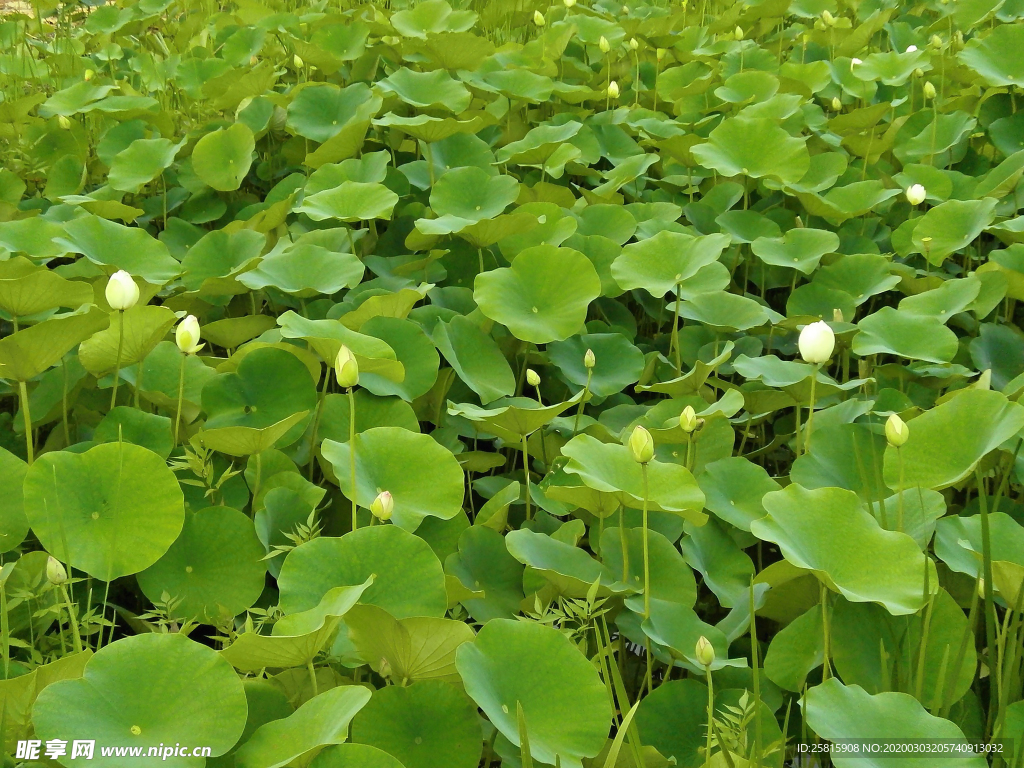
(350, 201)
(951, 226)
(215, 567)
(844, 456)
(305, 271)
(191, 696)
(111, 245)
(570, 569)
(726, 311)
(270, 385)
(414, 350)
(134, 426)
(475, 357)
(799, 249)
(430, 724)
(37, 290)
(141, 162)
(409, 578)
(222, 158)
(733, 489)
(354, 756)
(996, 55)
(514, 664)
(895, 332)
(754, 147)
(543, 296)
(427, 89)
(727, 569)
(1000, 350)
(659, 263)
(958, 541)
(828, 531)
(671, 577)
(320, 110)
(617, 362)
(673, 720)
(483, 564)
(111, 511)
(464, 196)
(422, 475)
(950, 298)
(13, 523)
(219, 254)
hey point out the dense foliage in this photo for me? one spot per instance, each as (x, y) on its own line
(459, 383)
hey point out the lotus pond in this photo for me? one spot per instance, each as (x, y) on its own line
(409, 385)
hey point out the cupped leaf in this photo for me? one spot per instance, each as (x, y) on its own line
(222, 158)
(754, 147)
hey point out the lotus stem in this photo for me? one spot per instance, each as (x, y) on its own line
(526, 477)
(583, 400)
(120, 349)
(352, 451)
(647, 562)
(899, 513)
(316, 425)
(256, 484)
(76, 636)
(625, 545)
(26, 414)
(64, 403)
(181, 394)
(826, 671)
(755, 660)
(986, 564)
(5, 630)
(711, 716)
(312, 676)
(674, 343)
(810, 413)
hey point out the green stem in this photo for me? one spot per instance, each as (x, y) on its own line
(64, 403)
(755, 660)
(312, 676)
(647, 563)
(316, 425)
(27, 416)
(810, 413)
(583, 400)
(181, 395)
(675, 334)
(624, 542)
(711, 716)
(526, 477)
(352, 451)
(986, 561)
(826, 672)
(899, 513)
(120, 349)
(5, 629)
(72, 619)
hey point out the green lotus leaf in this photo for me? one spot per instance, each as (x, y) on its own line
(141, 162)
(849, 201)
(232, 332)
(617, 362)
(464, 196)
(117, 247)
(435, 89)
(431, 129)
(415, 352)
(74, 99)
(249, 441)
(796, 651)
(219, 254)
(727, 570)
(552, 226)
(350, 201)
(539, 144)
(861, 275)
(29, 352)
(326, 337)
(691, 382)
(958, 541)
(111, 511)
(844, 456)
(161, 374)
(409, 579)
(513, 418)
(215, 567)
(948, 441)
(950, 298)
(35, 236)
(19, 694)
(673, 719)
(429, 724)
(149, 430)
(270, 385)
(371, 411)
(321, 721)
(28, 290)
(610, 467)
(305, 271)
(951, 226)
(569, 569)
(609, 221)
(670, 577)
(829, 532)
(677, 627)
(475, 357)
(799, 249)
(733, 489)
(897, 332)
(660, 263)
(994, 56)
(626, 172)
(431, 16)
(320, 110)
(222, 158)
(415, 648)
(483, 563)
(354, 756)
(891, 67)
(144, 326)
(513, 664)
(727, 311)
(13, 523)
(199, 700)
(837, 711)
(754, 147)
(543, 296)
(747, 226)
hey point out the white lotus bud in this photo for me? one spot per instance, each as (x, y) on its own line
(837, 315)
(705, 652)
(928, 90)
(828, 18)
(603, 44)
(641, 444)
(896, 431)
(911, 49)
(660, 53)
(589, 360)
(538, 19)
(613, 90)
(299, 63)
(186, 335)
(816, 342)
(121, 293)
(346, 368)
(633, 44)
(738, 32)
(383, 506)
(88, 75)
(568, 3)
(532, 377)
(63, 122)
(916, 194)
(837, 105)
(854, 62)
(688, 419)
(55, 573)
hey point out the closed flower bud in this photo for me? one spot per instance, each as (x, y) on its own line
(121, 293)
(660, 53)
(299, 63)
(738, 33)
(186, 335)
(385, 667)
(589, 360)
(816, 342)
(633, 44)
(854, 62)
(911, 49)
(568, 3)
(55, 573)
(538, 19)
(936, 41)
(88, 75)
(641, 444)
(916, 194)
(828, 18)
(688, 419)
(836, 104)
(918, 72)
(896, 431)
(346, 368)
(532, 377)
(63, 122)
(928, 90)
(837, 315)
(383, 506)
(613, 90)
(603, 44)
(705, 652)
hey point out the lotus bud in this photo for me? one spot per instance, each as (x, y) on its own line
(958, 39)
(625, 10)
(538, 19)
(603, 44)
(916, 194)
(981, 588)
(896, 431)
(705, 652)
(642, 445)
(383, 506)
(936, 41)
(63, 122)
(186, 335)
(928, 90)
(816, 342)
(122, 293)
(828, 18)
(854, 62)
(633, 44)
(55, 573)
(385, 667)
(911, 49)
(346, 368)
(88, 75)
(837, 315)
(613, 90)
(738, 32)
(688, 419)
(918, 72)
(837, 105)
(660, 53)
(299, 63)
(589, 360)
(532, 377)
(568, 3)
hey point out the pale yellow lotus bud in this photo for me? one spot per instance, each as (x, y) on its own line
(896, 431)
(837, 315)
(854, 62)
(613, 90)
(538, 19)
(816, 342)
(928, 90)
(660, 53)
(688, 419)
(738, 32)
(63, 122)
(532, 377)
(918, 73)
(346, 368)
(299, 63)
(383, 506)
(186, 335)
(705, 652)
(911, 49)
(916, 194)
(837, 105)
(603, 44)
(828, 18)
(589, 360)
(121, 292)
(568, 3)
(55, 573)
(633, 44)
(88, 75)
(642, 445)
(981, 588)
(935, 41)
